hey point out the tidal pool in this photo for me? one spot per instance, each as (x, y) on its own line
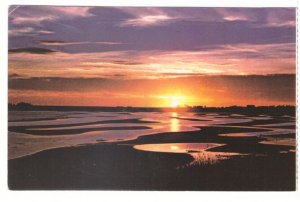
(197, 150)
(177, 147)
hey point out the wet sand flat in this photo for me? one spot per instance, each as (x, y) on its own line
(157, 152)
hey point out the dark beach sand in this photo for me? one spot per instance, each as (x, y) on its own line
(28, 129)
(262, 122)
(117, 166)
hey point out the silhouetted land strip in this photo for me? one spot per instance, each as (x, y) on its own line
(28, 107)
(247, 110)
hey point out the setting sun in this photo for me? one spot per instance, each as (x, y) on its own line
(175, 103)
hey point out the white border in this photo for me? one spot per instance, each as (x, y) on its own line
(182, 3)
(6, 195)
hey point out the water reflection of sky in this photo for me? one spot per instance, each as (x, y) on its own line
(21, 144)
(197, 150)
(177, 147)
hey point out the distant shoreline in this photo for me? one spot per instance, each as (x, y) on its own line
(249, 109)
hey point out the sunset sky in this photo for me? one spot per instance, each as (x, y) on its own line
(131, 56)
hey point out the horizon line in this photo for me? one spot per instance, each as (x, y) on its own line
(179, 107)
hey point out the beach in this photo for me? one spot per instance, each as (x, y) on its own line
(231, 154)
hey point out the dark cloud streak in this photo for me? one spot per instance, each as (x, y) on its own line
(32, 50)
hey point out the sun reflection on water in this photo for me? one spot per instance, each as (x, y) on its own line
(174, 147)
(175, 123)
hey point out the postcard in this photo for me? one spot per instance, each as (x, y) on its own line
(151, 98)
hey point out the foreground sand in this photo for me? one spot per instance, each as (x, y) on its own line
(117, 166)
